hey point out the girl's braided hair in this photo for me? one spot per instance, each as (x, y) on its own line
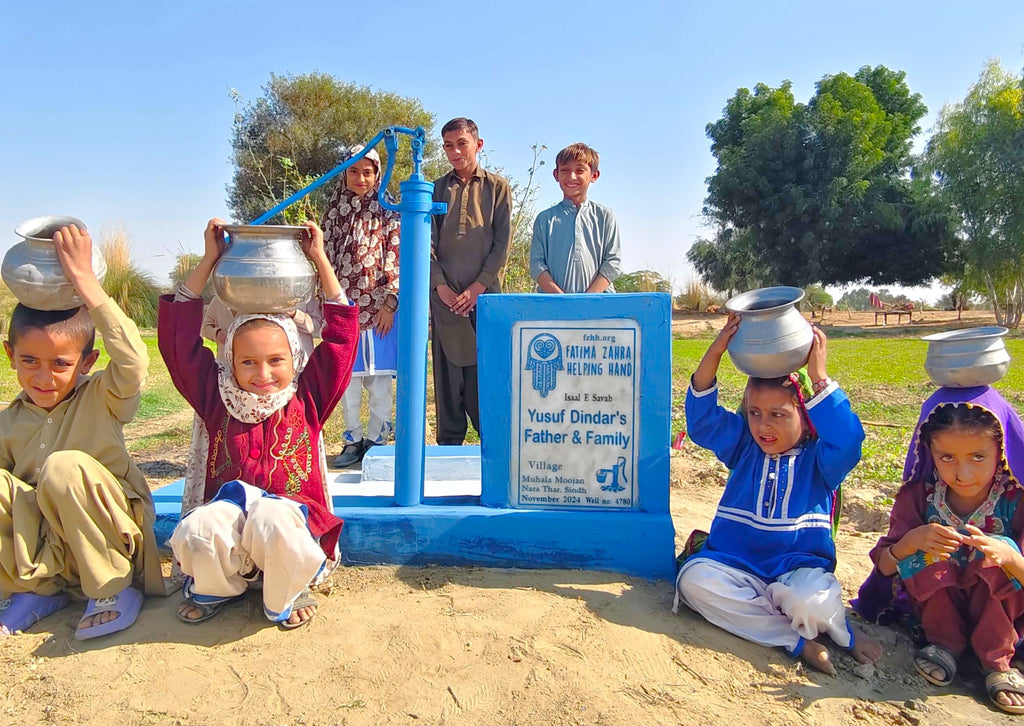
(962, 418)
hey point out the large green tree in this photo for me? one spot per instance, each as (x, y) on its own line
(298, 129)
(977, 157)
(822, 191)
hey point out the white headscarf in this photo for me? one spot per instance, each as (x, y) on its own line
(244, 405)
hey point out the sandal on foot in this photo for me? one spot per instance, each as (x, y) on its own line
(207, 605)
(940, 656)
(126, 604)
(1009, 681)
(22, 610)
(305, 599)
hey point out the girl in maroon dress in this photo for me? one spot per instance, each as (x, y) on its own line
(951, 560)
(267, 517)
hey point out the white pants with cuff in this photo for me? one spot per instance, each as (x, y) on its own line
(244, 529)
(379, 394)
(801, 604)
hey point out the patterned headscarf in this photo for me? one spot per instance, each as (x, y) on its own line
(361, 239)
(919, 461)
(247, 406)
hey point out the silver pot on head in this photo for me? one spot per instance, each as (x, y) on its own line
(32, 270)
(773, 338)
(263, 269)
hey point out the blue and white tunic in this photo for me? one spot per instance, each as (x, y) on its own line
(776, 512)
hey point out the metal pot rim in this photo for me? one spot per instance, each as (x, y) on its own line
(988, 331)
(30, 227)
(752, 295)
(265, 230)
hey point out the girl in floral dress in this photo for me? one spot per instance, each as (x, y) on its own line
(362, 238)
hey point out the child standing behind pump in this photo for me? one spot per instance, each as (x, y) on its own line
(575, 245)
(469, 246)
(362, 238)
(952, 557)
(75, 511)
(765, 572)
(267, 516)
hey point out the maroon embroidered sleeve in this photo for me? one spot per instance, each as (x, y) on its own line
(191, 364)
(907, 513)
(329, 370)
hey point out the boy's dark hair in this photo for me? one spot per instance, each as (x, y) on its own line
(74, 323)
(461, 124)
(962, 418)
(578, 152)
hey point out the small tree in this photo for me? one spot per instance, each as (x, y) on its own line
(515, 275)
(299, 128)
(642, 281)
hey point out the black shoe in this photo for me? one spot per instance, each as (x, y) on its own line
(350, 455)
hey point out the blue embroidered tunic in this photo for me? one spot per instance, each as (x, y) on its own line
(775, 514)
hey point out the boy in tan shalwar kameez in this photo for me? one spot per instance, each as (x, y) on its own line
(75, 511)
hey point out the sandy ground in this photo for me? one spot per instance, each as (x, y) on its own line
(401, 645)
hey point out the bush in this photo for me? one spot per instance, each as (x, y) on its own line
(642, 281)
(131, 288)
(695, 295)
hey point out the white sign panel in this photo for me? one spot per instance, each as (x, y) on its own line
(575, 414)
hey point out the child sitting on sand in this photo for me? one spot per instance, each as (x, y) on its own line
(75, 511)
(952, 556)
(765, 572)
(267, 517)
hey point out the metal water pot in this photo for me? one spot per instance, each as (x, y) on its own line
(966, 358)
(773, 338)
(32, 271)
(263, 269)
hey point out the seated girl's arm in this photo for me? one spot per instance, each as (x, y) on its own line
(840, 433)
(329, 370)
(708, 424)
(909, 533)
(190, 363)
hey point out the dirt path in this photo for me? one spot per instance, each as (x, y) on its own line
(400, 645)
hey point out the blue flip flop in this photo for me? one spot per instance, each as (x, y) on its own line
(22, 610)
(126, 604)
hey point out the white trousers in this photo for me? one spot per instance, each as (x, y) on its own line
(219, 542)
(803, 603)
(379, 395)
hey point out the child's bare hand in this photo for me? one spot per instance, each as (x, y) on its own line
(721, 342)
(74, 250)
(934, 539)
(313, 240)
(996, 551)
(816, 368)
(213, 239)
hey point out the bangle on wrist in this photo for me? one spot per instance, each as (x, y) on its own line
(819, 386)
(892, 555)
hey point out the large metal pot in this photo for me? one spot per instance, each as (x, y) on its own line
(773, 338)
(32, 270)
(263, 269)
(966, 358)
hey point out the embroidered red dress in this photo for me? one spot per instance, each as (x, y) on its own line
(279, 454)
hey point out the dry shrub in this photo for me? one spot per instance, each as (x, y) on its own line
(132, 289)
(695, 295)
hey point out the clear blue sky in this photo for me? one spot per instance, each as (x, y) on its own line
(119, 112)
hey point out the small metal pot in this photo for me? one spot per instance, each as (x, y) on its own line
(263, 269)
(773, 338)
(32, 270)
(966, 358)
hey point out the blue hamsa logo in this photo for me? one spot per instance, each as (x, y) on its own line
(544, 358)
